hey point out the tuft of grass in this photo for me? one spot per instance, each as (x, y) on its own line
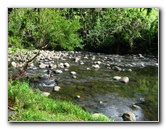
(32, 106)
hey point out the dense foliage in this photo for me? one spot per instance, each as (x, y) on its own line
(109, 30)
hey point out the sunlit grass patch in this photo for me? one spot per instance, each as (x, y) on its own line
(32, 106)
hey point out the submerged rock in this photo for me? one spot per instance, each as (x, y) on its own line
(129, 116)
(116, 68)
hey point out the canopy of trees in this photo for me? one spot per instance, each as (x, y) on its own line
(108, 30)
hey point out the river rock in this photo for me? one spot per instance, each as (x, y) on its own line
(53, 66)
(74, 76)
(124, 79)
(85, 57)
(96, 66)
(141, 56)
(116, 68)
(57, 88)
(78, 96)
(129, 70)
(73, 72)
(117, 77)
(14, 64)
(76, 59)
(66, 65)
(93, 58)
(61, 65)
(46, 94)
(81, 62)
(42, 66)
(58, 71)
(129, 116)
(97, 62)
(87, 68)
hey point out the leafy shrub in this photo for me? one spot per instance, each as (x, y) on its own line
(31, 28)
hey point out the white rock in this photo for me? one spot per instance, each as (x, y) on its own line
(58, 71)
(96, 66)
(73, 72)
(14, 64)
(129, 70)
(87, 68)
(42, 66)
(129, 116)
(124, 79)
(45, 93)
(117, 77)
(141, 56)
(56, 88)
(97, 62)
(53, 66)
(76, 59)
(60, 65)
(85, 57)
(81, 62)
(66, 65)
(74, 76)
(78, 96)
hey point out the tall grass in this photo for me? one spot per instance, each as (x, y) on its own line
(30, 105)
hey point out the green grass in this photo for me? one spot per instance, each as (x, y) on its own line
(33, 106)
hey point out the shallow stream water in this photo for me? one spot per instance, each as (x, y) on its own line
(95, 90)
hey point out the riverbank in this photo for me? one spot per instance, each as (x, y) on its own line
(97, 82)
(28, 105)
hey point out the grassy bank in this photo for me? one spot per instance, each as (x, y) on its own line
(30, 106)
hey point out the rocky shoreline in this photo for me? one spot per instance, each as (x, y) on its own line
(44, 72)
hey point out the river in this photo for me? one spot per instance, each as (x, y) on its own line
(87, 79)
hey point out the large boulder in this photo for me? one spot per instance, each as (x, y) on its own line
(129, 116)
